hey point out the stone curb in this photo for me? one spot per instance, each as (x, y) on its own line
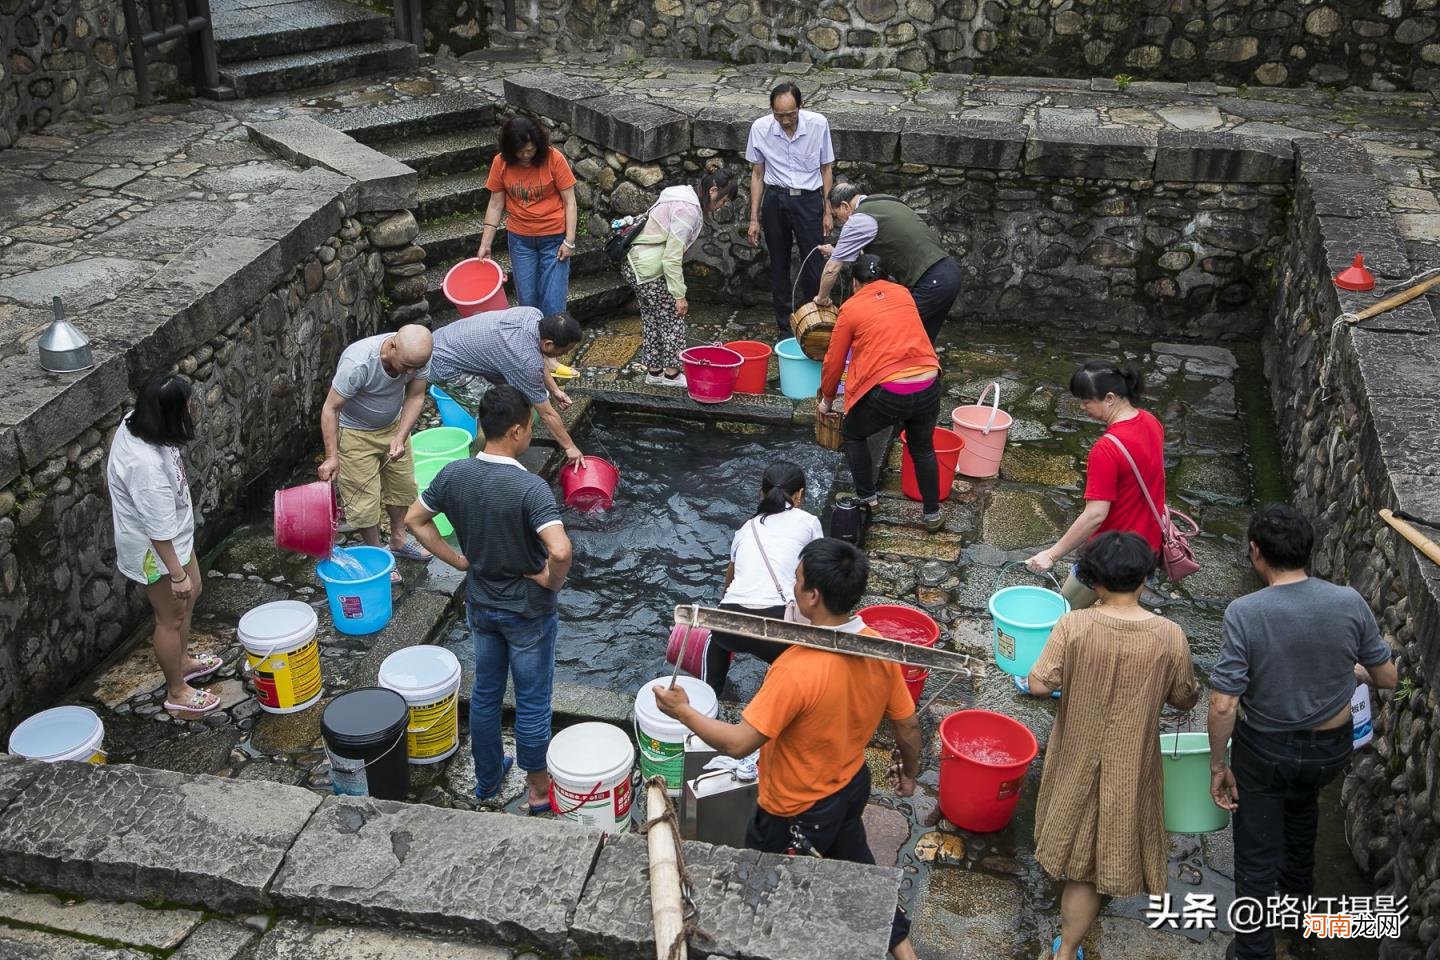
(380, 182)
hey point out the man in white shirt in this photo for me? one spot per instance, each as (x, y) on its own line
(792, 163)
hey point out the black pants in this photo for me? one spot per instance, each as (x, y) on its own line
(834, 828)
(917, 413)
(786, 220)
(1279, 776)
(717, 655)
(935, 294)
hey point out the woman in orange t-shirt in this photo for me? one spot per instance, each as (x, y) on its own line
(532, 182)
(894, 380)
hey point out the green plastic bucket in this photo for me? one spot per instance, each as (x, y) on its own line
(440, 443)
(1185, 760)
(424, 473)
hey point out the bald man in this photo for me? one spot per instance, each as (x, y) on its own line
(374, 401)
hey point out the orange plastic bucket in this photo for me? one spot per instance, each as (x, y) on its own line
(306, 519)
(983, 759)
(948, 445)
(985, 430)
(894, 622)
(475, 286)
(755, 366)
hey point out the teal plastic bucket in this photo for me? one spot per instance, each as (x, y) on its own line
(1022, 618)
(361, 605)
(1185, 760)
(799, 375)
(440, 443)
(451, 413)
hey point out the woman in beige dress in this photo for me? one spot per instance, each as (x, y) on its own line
(1100, 816)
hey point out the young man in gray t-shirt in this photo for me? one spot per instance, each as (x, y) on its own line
(1291, 657)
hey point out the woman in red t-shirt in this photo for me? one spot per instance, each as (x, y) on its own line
(532, 182)
(1113, 499)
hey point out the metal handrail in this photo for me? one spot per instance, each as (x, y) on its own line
(184, 18)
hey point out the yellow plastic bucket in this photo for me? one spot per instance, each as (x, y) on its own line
(282, 656)
(428, 678)
(985, 430)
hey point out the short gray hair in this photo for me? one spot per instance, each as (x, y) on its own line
(844, 193)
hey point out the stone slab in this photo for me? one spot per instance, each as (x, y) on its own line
(216, 940)
(37, 945)
(1108, 153)
(24, 198)
(221, 279)
(551, 94)
(1222, 158)
(80, 283)
(381, 182)
(300, 220)
(198, 841)
(508, 880)
(720, 128)
(872, 137)
(48, 411)
(641, 130)
(987, 145)
(293, 940)
(15, 775)
(756, 904)
(127, 923)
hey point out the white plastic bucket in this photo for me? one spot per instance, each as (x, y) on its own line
(1360, 718)
(60, 733)
(282, 655)
(661, 739)
(429, 680)
(590, 766)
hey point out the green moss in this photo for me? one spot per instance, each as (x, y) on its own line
(1270, 480)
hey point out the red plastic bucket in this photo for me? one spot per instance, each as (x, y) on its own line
(710, 373)
(591, 487)
(908, 626)
(983, 759)
(306, 519)
(948, 445)
(756, 365)
(475, 286)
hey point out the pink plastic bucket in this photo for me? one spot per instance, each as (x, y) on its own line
(710, 373)
(591, 487)
(306, 519)
(475, 286)
(985, 430)
(756, 366)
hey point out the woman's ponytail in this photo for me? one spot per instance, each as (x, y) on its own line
(781, 481)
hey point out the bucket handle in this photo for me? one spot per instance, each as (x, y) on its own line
(367, 764)
(994, 407)
(1000, 573)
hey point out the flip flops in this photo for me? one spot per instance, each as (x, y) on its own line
(506, 762)
(209, 663)
(410, 550)
(1055, 948)
(201, 702)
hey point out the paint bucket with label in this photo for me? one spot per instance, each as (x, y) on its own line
(590, 766)
(282, 656)
(60, 733)
(429, 680)
(1360, 719)
(661, 739)
(364, 733)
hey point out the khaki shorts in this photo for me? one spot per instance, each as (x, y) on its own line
(1080, 596)
(367, 482)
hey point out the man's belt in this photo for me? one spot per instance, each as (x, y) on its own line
(792, 191)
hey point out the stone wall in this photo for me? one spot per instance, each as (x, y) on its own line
(456, 26)
(1116, 229)
(1377, 45)
(1357, 413)
(71, 57)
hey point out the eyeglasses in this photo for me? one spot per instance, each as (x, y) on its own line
(787, 115)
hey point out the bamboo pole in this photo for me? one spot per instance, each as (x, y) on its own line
(1417, 539)
(667, 908)
(1391, 302)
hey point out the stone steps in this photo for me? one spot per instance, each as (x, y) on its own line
(447, 194)
(442, 153)
(259, 33)
(313, 68)
(393, 127)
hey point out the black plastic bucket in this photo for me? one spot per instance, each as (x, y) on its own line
(364, 733)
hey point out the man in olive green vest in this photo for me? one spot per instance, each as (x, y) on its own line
(883, 225)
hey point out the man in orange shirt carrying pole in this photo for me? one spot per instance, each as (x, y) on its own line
(811, 721)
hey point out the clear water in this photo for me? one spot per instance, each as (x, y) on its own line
(349, 568)
(685, 488)
(986, 750)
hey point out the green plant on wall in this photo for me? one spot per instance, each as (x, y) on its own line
(1404, 690)
(1123, 80)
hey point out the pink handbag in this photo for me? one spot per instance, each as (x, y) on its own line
(1177, 557)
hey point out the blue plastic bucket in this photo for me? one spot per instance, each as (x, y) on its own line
(451, 413)
(1022, 620)
(359, 606)
(799, 375)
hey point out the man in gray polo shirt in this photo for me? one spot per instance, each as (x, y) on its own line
(508, 346)
(516, 556)
(365, 424)
(1291, 657)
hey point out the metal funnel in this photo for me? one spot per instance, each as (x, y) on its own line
(64, 347)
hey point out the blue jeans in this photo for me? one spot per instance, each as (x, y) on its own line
(540, 280)
(523, 647)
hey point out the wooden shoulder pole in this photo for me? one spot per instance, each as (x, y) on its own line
(667, 906)
(1417, 539)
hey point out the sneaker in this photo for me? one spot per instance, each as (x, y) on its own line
(660, 380)
(934, 522)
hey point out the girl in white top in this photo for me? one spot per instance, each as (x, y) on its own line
(763, 556)
(155, 530)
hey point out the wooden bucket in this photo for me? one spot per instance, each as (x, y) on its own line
(812, 326)
(829, 430)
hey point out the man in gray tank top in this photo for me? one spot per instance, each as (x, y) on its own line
(1291, 657)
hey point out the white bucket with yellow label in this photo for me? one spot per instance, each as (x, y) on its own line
(60, 733)
(429, 679)
(282, 655)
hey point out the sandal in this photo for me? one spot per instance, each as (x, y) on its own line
(395, 577)
(209, 663)
(1055, 948)
(410, 551)
(201, 702)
